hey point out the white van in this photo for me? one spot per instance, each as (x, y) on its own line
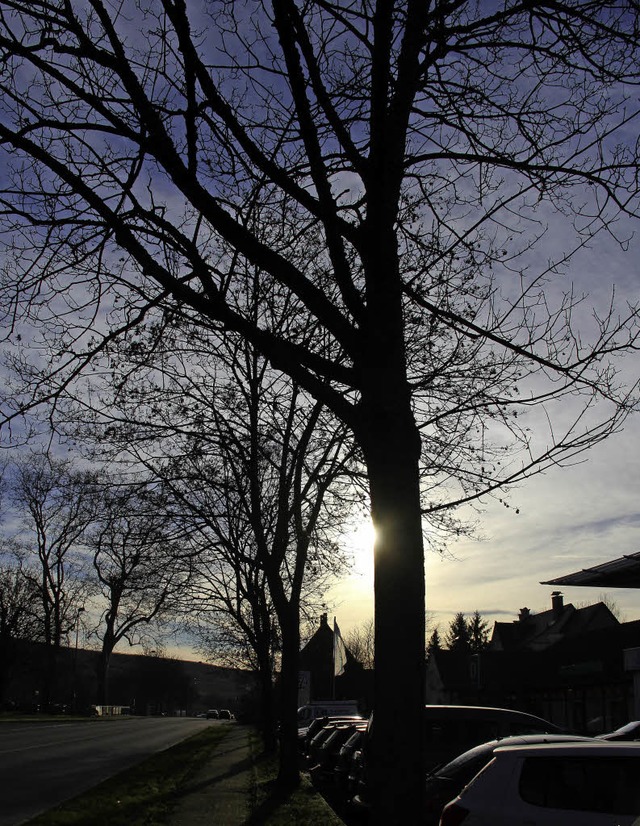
(326, 708)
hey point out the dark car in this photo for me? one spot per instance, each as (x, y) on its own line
(329, 751)
(212, 714)
(306, 735)
(450, 730)
(447, 782)
(347, 760)
(225, 714)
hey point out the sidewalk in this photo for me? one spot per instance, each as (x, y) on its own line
(221, 792)
(219, 795)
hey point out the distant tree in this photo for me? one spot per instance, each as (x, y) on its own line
(55, 503)
(479, 633)
(415, 153)
(360, 642)
(458, 638)
(140, 567)
(611, 604)
(434, 643)
(259, 475)
(19, 616)
(228, 608)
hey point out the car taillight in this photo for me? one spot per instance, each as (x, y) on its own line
(453, 815)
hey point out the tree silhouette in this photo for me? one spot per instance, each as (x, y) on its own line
(478, 632)
(387, 169)
(458, 636)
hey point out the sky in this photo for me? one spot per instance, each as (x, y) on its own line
(565, 520)
(568, 519)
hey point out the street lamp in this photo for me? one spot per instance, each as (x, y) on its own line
(75, 660)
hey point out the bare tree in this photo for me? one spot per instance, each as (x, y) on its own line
(408, 156)
(263, 477)
(360, 641)
(19, 620)
(228, 606)
(56, 503)
(140, 566)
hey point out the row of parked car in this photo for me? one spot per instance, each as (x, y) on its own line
(527, 771)
(215, 714)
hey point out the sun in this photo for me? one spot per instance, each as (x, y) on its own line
(359, 542)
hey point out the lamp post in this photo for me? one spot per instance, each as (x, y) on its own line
(75, 661)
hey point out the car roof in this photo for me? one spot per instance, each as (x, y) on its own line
(513, 740)
(632, 726)
(583, 748)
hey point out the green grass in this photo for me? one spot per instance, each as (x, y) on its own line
(272, 807)
(143, 795)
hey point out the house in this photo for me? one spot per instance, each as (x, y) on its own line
(537, 632)
(566, 664)
(318, 669)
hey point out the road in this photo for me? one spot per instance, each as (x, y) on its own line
(44, 763)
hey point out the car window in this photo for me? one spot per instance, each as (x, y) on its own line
(474, 757)
(595, 784)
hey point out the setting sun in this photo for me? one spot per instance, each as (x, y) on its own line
(359, 542)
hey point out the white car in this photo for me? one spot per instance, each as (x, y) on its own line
(568, 784)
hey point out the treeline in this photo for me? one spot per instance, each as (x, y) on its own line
(84, 552)
(469, 635)
(206, 499)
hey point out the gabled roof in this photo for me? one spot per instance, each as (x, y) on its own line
(539, 631)
(619, 573)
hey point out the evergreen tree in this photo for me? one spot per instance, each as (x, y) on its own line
(458, 638)
(478, 629)
(434, 644)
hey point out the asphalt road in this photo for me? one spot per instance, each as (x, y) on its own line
(44, 763)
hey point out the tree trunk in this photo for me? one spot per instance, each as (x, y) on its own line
(267, 703)
(395, 753)
(102, 674)
(391, 446)
(289, 769)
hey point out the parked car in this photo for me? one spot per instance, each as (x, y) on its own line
(444, 783)
(328, 753)
(346, 763)
(305, 735)
(317, 741)
(225, 714)
(559, 784)
(326, 708)
(212, 714)
(451, 729)
(625, 733)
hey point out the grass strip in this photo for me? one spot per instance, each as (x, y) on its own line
(143, 795)
(273, 807)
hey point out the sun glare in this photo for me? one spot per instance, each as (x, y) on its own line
(359, 541)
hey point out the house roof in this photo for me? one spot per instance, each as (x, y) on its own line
(539, 631)
(618, 573)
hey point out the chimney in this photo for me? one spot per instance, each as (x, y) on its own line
(524, 614)
(557, 604)
(323, 620)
